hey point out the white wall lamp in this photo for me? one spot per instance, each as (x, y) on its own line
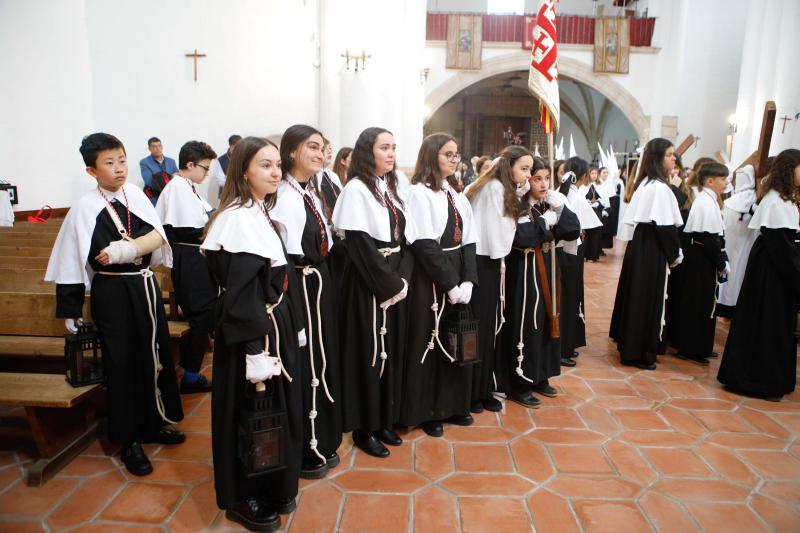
(356, 59)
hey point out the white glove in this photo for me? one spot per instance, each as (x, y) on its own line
(594, 205)
(466, 292)
(604, 213)
(675, 180)
(727, 270)
(455, 295)
(397, 297)
(120, 252)
(260, 367)
(555, 200)
(677, 261)
(301, 338)
(523, 188)
(72, 324)
(550, 218)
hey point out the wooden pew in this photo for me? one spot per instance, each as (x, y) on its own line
(56, 412)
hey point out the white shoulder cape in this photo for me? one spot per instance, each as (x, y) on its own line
(775, 213)
(290, 211)
(495, 230)
(654, 202)
(245, 229)
(358, 210)
(580, 206)
(705, 215)
(744, 195)
(334, 177)
(178, 206)
(69, 262)
(429, 210)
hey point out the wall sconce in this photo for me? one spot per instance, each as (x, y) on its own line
(423, 75)
(733, 123)
(356, 59)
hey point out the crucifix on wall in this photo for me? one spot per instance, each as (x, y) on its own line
(785, 119)
(195, 56)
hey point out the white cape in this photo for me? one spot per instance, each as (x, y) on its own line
(69, 262)
(245, 229)
(744, 196)
(580, 206)
(495, 230)
(429, 210)
(178, 206)
(358, 210)
(705, 216)
(775, 213)
(653, 202)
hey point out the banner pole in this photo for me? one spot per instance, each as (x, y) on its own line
(553, 179)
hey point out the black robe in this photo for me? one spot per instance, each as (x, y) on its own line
(692, 319)
(676, 280)
(614, 211)
(120, 312)
(592, 245)
(195, 290)
(542, 354)
(329, 192)
(328, 422)
(485, 304)
(573, 322)
(371, 401)
(761, 353)
(437, 388)
(242, 322)
(636, 322)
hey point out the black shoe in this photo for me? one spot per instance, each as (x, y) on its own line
(254, 516)
(201, 384)
(313, 468)
(282, 506)
(545, 389)
(493, 404)
(332, 460)
(369, 444)
(168, 435)
(433, 428)
(476, 407)
(566, 361)
(387, 436)
(526, 400)
(574, 353)
(135, 460)
(461, 420)
(696, 359)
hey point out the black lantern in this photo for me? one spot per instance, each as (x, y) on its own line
(262, 435)
(83, 356)
(461, 334)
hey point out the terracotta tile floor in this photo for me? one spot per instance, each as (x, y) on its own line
(619, 450)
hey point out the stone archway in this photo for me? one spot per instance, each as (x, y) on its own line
(567, 67)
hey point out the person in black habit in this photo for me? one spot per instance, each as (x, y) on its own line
(257, 329)
(705, 264)
(760, 357)
(108, 242)
(436, 388)
(329, 186)
(599, 203)
(184, 215)
(494, 198)
(531, 347)
(370, 214)
(301, 213)
(571, 263)
(651, 223)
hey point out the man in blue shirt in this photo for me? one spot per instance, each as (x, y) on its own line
(154, 163)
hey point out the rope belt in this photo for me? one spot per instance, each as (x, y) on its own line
(152, 309)
(437, 316)
(186, 244)
(451, 249)
(498, 322)
(520, 343)
(312, 415)
(270, 308)
(664, 307)
(385, 252)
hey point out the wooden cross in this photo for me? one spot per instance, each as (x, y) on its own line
(785, 119)
(765, 138)
(687, 142)
(195, 56)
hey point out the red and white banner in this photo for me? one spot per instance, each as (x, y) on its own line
(543, 74)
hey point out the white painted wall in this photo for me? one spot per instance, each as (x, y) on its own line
(769, 72)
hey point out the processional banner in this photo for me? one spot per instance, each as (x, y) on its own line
(464, 41)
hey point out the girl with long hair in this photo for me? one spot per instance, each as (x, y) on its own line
(589, 189)
(760, 355)
(300, 210)
(371, 217)
(494, 197)
(531, 351)
(436, 388)
(256, 338)
(341, 163)
(653, 219)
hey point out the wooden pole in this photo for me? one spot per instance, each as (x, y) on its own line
(687, 142)
(765, 139)
(553, 179)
